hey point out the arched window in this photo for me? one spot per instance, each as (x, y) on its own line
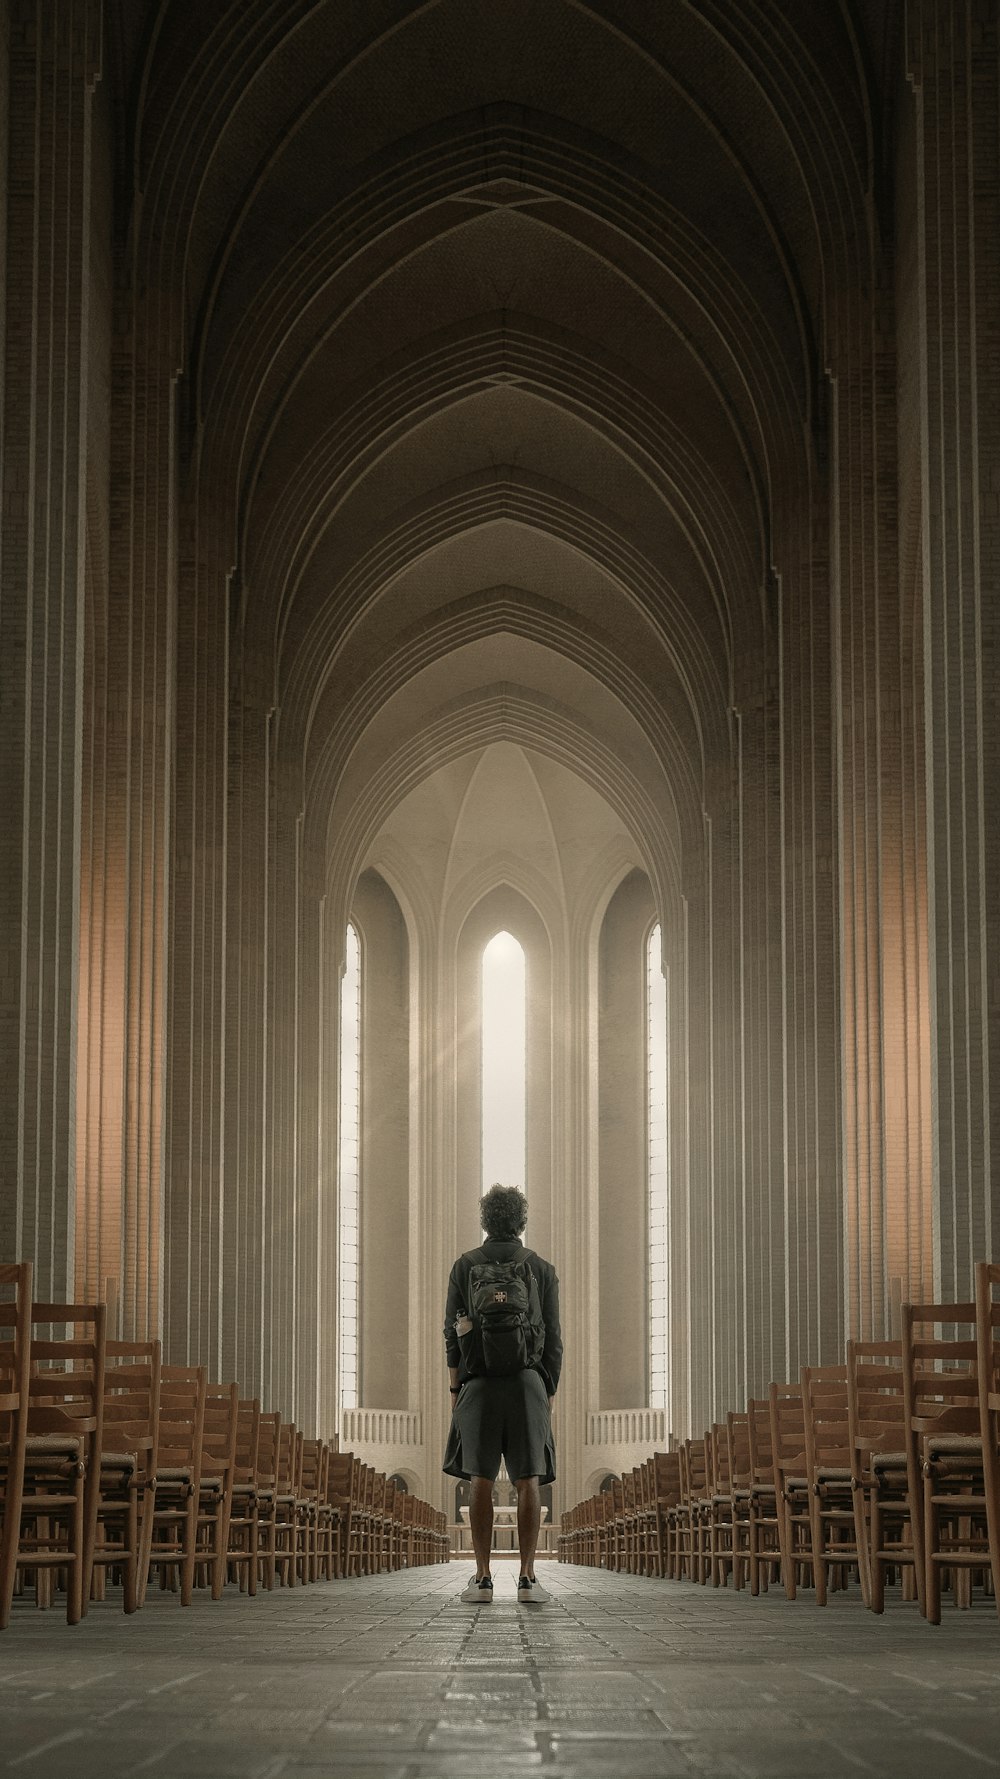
(503, 1041)
(658, 1165)
(349, 1172)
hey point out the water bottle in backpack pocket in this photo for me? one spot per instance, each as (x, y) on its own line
(508, 1334)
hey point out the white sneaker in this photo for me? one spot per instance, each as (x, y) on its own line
(478, 1593)
(531, 1592)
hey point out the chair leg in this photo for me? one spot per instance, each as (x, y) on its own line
(190, 1549)
(76, 1567)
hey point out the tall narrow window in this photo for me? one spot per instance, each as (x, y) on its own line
(658, 1165)
(503, 1062)
(350, 1172)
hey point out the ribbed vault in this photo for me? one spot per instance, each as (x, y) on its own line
(502, 416)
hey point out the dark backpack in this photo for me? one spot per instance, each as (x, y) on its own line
(508, 1334)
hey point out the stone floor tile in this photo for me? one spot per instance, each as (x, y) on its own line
(394, 1677)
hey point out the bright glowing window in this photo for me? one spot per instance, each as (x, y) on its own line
(658, 1165)
(503, 1062)
(350, 1172)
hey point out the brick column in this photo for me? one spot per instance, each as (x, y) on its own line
(54, 46)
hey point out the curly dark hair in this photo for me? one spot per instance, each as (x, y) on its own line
(503, 1213)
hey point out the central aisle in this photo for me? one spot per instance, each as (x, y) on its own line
(395, 1677)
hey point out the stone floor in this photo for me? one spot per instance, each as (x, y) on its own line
(396, 1678)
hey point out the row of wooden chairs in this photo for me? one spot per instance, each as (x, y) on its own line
(113, 1463)
(885, 1467)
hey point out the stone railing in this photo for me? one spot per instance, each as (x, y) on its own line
(393, 1427)
(628, 1427)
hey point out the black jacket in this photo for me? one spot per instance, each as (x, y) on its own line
(548, 1291)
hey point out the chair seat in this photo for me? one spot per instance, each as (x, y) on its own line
(42, 1445)
(833, 1473)
(118, 1460)
(954, 1444)
(182, 1475)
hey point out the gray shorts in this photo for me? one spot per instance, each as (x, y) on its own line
(502, 1417)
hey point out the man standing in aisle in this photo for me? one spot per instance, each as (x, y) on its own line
(504, 1354)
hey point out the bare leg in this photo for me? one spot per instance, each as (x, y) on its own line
(481, 1523)
(529, 1517)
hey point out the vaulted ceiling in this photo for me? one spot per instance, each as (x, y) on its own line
(500, 331)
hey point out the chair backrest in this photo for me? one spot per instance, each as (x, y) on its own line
(738, 1436)
(940, 1380)
(218, 1437)
(788, 1432)
(876, 1413)
(132, 1399)
(759, 1441)
(268, 1448)
(988, 1345)
(696, 1469)
(340, 1476)
(647, 1485)
(313, 1477)
(824, 1404)
(66, 1381)
(247, 1439)
(667, 1477)
(289, 1456)
(15, 1355)
(182, 1417)
(378, 1492)
(718, 1439)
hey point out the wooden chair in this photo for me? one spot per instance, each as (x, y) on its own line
(216, 1469)
(128, 1466)
(878, 1440)
(648, 1558)
(829, 1477)
(407, 1512)
(667, 1488)
(944, 1448)
(376, 1522)
(988, 1373)
(62, 1468)
(357, 1549)
(242, 1547)
(719, 1506)
(174, 1546)
(339, 1491)
(268, 1454)
(287, 1499)
(788, 1455)
(312, 1490)
(602, 1524)
(691, 1564)
(763, 1532)
(629, 1523)
(15, 1363)
(740, 1479)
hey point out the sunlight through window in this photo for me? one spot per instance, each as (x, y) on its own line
(350, 1172)
(658, 1174)
(503, 1062)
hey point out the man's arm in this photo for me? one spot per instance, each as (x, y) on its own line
(452, 1351)
(553, 1350)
